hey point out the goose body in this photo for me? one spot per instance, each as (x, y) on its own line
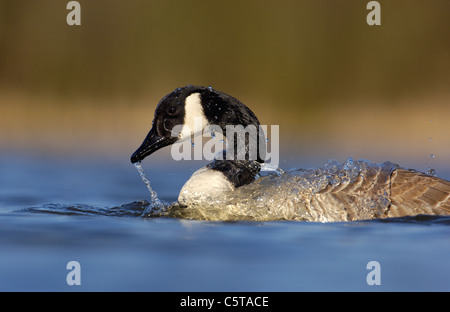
(367, 191)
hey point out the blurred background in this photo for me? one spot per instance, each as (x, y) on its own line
(336, 86)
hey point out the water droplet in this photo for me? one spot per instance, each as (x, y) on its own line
(431, 172)
(267, 140)
(192, 142)
(213, 134)
(210, 88)
(269, 167)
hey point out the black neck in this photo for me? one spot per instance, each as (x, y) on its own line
(248, 139)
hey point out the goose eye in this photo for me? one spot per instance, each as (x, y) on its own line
(172, 110)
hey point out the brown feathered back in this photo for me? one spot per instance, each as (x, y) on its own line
(415, 193)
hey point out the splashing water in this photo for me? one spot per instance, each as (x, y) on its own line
(154, 196)
(269, 167)
(431, 172)
(157, 206)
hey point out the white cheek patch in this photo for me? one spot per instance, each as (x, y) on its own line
(194, 118)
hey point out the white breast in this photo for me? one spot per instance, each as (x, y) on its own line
(204, 185)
